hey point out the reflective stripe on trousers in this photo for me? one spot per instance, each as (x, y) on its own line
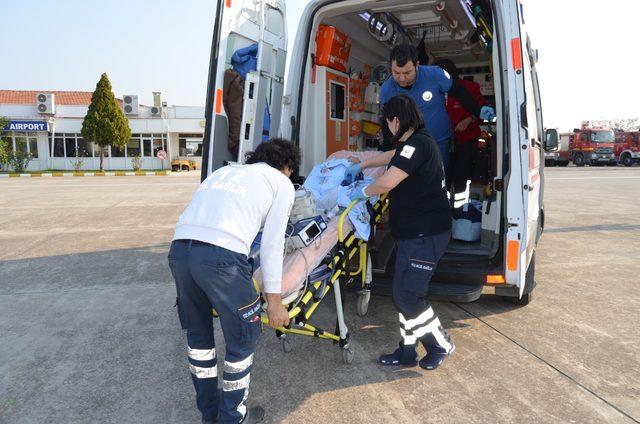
(416, 260)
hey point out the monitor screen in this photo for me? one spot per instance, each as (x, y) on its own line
(312, 231)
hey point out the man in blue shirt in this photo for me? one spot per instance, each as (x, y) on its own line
(427, 85)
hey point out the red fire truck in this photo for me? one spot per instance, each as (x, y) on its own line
(592, 146)
(627, 147)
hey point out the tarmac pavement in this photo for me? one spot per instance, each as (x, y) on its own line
(88, 332)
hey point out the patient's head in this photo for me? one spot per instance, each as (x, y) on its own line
(278, 153)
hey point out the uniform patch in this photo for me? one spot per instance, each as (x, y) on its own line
(427, 95)
(446, 74)
(423, 266)
(407, 151)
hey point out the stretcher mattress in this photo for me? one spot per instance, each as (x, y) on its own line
(300, 263)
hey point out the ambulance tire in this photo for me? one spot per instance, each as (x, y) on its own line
(578, 160)
(529, 284)
(626, 159)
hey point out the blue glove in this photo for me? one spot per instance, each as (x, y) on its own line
(351, 173)
(358, 193)
(487, 113)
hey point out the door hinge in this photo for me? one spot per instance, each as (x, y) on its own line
(498, 184)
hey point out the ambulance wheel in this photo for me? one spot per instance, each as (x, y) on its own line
(626, 160)
(362, 306)
(578, 160)
(522, 301)
(347, 355)
(286, 345)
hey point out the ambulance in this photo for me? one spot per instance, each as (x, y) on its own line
(329, 101)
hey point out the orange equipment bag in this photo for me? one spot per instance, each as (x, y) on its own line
(333, 48)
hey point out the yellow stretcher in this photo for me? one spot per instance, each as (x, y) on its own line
(347, 246)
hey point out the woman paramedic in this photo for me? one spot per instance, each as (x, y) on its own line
(420, 221)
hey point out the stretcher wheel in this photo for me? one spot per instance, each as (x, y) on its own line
(286, 345)
(347, 355)
(362, 305)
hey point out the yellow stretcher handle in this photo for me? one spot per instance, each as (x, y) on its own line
(343, 215)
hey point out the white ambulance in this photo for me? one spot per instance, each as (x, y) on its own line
(322, 111)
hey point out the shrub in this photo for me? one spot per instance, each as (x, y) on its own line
(136, 162)
(19, 161)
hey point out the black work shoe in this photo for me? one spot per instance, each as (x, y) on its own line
(435, 356)
(400, 357)
(255, 415)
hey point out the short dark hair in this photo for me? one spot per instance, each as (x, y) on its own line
(406, 110)
(448, 66)
(403, 53)
(277, 152)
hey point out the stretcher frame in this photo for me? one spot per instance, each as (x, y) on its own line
(348, 246)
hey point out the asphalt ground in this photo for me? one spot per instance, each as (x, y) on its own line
(88, 332)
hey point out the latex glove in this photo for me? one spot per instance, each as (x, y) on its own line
(351, 173)
(487, 113)
(358, 193)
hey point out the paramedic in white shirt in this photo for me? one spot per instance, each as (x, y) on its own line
(208, 260)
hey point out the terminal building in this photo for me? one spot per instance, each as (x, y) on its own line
(47, 125)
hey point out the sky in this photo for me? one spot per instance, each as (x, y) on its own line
(587, 50)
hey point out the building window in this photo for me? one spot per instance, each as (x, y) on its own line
(85, 149)
(20, 143)
(58, 147)
(190, 145)
(146, 147)
(70, 145)
(116, 152)
(33, 146)
(133, 147)
(25, 142)
(158, 143)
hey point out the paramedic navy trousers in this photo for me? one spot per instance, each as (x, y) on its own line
(416, 261)
(207, 277)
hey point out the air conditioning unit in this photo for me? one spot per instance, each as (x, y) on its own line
(45, 102)
(155, 110)
(130, 104)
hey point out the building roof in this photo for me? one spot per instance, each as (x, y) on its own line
(28, 97)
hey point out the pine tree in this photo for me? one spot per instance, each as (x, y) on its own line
(105, 123)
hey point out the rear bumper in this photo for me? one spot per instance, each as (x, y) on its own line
(455, 280)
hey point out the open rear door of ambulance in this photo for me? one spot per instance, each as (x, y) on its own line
(523, 184)
(238, 25)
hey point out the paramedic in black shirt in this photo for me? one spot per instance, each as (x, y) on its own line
(420, 221)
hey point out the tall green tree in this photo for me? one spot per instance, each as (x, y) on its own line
(5, 144)
(105, 123)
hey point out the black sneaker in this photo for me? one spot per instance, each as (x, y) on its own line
(435, 356)
(399, 357)
(255, 415)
